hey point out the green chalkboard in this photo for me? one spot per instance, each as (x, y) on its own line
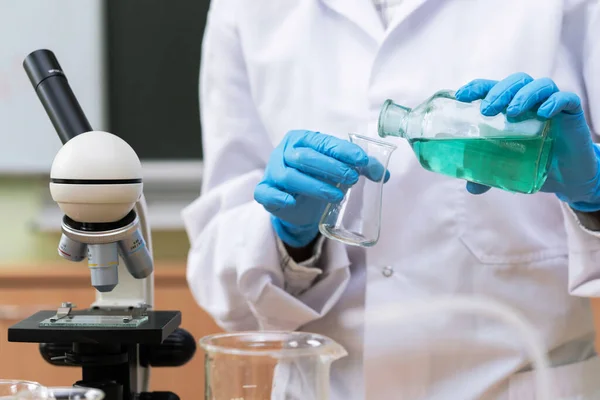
(153, 53)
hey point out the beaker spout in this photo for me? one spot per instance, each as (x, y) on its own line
(392, 119)
(333, 352)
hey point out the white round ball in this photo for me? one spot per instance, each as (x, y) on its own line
(96, 155)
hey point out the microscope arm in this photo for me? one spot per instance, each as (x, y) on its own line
(141, 208)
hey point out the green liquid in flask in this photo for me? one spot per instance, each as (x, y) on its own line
(515, 164)
(453, 138)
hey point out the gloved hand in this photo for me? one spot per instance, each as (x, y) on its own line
(306, 171)
(574, 173)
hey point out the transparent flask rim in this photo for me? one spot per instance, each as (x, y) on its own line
(20, 381)
(32, 385)
(378, 142)
(328, 346)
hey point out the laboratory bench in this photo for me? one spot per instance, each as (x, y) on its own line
(26, 289)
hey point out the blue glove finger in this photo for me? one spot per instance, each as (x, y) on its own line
(476, 188)
(374, 171)
(295, 182)
(500, 96)
(559, 102)
(531, 95)
(474, 90)
(376, 176)
(318, 165)
(342, 150)
(273, 199)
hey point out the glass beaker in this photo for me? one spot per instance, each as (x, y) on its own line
(356, 219)
(268, 365)
(18, 389)
(73, 393)
(27, 390)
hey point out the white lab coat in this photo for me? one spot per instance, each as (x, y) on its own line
(328, 65)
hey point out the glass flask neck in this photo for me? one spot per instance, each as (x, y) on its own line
(392, 120)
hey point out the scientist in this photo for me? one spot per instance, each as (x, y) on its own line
(282, 84)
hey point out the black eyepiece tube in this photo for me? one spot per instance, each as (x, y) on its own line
(53, 90)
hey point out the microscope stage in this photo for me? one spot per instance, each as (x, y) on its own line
(158, 326)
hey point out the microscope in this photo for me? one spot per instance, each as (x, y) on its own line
(96, 180)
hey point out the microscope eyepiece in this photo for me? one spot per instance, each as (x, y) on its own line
(55, 94)
(40, 65)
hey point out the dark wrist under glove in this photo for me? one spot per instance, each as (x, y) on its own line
(589, 220)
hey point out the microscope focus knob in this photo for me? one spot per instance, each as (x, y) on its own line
(55, 353)
(176, 350)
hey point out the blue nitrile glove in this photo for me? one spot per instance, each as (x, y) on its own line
(303, 175)
(574, 174)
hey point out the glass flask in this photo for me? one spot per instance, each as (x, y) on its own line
(453, 138)
(268, 365)
(356, 219)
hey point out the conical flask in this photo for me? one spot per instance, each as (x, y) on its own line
(356, 220)
(268, 365)
(453, 138)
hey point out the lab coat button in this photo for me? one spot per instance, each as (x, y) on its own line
(387, 271)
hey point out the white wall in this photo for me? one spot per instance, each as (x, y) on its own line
(73, 30)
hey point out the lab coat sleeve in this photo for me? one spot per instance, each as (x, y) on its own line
(584, 245)
(591, 64)
(299, 277)
(236, 269)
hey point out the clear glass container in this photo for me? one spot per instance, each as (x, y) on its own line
(27, 390)
(268, 365)
(453, 138)
(17, 390)
(73, 393)
(356, 219)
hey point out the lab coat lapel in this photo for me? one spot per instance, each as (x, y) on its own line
(362, 13)
(406, 9)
